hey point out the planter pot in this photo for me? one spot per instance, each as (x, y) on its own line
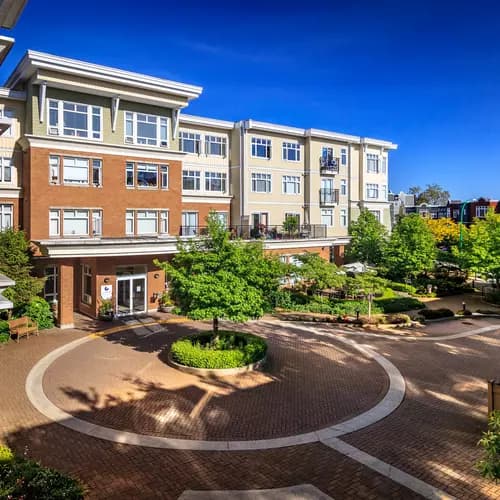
(166, 309)
(106, 316)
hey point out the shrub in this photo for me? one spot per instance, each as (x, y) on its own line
(493, 297)
(402, 287)
(399, 304)
(21, 478)
(351, 307)
(39, 310)
(229, 350)
(437, 313)
(4, 331)
(489, 467)
(461, 312)
(398, 319)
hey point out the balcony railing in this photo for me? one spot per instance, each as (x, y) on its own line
(264, 232)
(329, 165)
(328, 197)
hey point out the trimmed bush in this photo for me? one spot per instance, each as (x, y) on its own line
(437, 313)
(21, 478)
(399, 304)
(402, 287)
(398, 319)
(231, 350)
(39, 310)
(4, 331)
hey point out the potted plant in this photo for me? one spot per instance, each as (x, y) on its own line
(165, 302)
(106, 312)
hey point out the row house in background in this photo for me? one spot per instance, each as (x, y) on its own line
(104, 173)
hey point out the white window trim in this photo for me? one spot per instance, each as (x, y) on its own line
(292, 146)
(197, 139)
(134, 136)
(6, 209)
(332, 216)
(223, 145)
(270, 180)
(268, 144)
(198, 177)
(296, 182)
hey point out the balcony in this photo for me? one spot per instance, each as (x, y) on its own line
(328, 165)
(328, 197)
(269, 232)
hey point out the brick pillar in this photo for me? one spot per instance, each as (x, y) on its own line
(66, 287)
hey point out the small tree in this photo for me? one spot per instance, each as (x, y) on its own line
(215, 278)
(368, 239)
(291, 223)
(445, 231)
(317, 273)
(433, 194)
(15, 264)
(411, 249)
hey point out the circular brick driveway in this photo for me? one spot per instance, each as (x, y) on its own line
(122, 381)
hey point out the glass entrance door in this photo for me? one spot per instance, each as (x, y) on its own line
(131, 295)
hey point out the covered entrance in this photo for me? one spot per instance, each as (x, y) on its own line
(131, 294)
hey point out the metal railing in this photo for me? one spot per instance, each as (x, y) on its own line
(264, 232)
(329, 165)
(328, 197)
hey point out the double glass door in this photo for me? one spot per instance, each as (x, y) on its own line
(131, 295)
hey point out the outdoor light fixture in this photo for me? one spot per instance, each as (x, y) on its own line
(106, 280)
(156, 276)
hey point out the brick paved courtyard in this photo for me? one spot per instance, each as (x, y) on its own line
(122, 381)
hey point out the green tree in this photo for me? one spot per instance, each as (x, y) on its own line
(368, 239)
(433, 194)
(411, 249)
(15, 264)
(317, 273)
(215, 278)
(481, 252)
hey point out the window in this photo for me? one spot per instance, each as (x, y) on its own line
(261, 183)
(189, 142)
(343, 156)
(141, 128)
(75, 170)
(223, 217)
(86, 284)
(291, 184)
(97, 172)
(8, 113)
(384, 192)
(215, 145)
(129, 174)
(5, 170)
(291, 151)
(50, 285)
(215, 181)
(189, 223)
(343, 217)
(372, 163)
(164, 222)
(54, 169)
(147, 222)
(384, 165)
(376, 213)
(261, 148)
(481, 211)
(343, 187)
(6, 212)
(295, 216)
(129, 222)
(75, 222)
(97, 222)
(372, 190)
(74, 120)
(147, 175)
(191, 180)
(327, 217)
(54, 222)
(164, 176)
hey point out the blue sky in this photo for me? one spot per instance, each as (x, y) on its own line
(425, 75)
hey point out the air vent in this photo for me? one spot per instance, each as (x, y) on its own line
(53, 131)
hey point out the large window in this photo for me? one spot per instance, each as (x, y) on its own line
(261, 148)
(261, 183)
(372, 163)
(291, 184)
(291, 151)
(146, 222)
(189, 224)
(372, 190)
(75, 222)
(50, 285)
(481, 210)
(190, 142)
(327, 217)
(191, 180)
(146, 175)
(215, 145)
(86, 284)
(377, 215)
(215, 181)
(6, 214)
(74, 119)
(141, 128)
(75, 170)
(5, 170)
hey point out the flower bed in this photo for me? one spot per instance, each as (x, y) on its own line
(228, 350)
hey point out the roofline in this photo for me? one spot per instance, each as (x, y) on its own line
(273, 127)
(209, 122)
(34, 60)
(326, 134)
(17, 95)
(10, 11)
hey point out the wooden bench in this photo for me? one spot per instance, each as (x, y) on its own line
(22, 326)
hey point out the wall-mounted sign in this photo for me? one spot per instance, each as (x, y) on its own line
(106, 292)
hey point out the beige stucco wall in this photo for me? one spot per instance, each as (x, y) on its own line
(8, 147)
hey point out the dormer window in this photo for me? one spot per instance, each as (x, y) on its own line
(150, 130)
(74, 120)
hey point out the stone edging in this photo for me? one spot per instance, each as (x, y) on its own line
(216, 372)
(389, 403)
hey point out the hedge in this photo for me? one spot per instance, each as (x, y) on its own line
(399, 304)
(4, 331)
(232, 350)
(437, 313)
(22, 478)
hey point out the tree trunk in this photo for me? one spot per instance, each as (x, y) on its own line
(216, 325)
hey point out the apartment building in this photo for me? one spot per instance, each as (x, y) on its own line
(105, 173)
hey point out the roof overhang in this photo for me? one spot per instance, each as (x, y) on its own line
(205, 122)
(272, 127)
(10, 10)
(40, 66)
(336, 136)
(6, 44)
